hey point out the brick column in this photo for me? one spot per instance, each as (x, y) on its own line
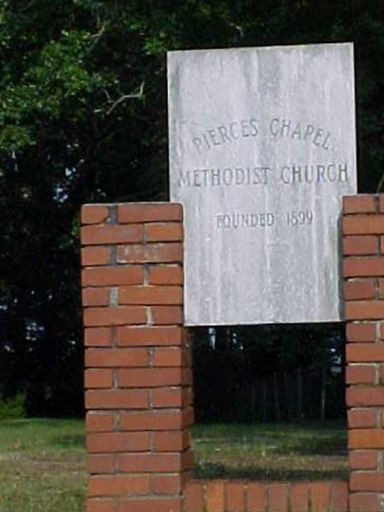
(363, 245)
(138, 376)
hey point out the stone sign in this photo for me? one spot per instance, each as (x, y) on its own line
(262, 148)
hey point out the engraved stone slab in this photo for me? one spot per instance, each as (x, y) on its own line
(262, 148)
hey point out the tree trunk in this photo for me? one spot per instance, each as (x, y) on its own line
(299, 393)
(276, 397)
(323, 393)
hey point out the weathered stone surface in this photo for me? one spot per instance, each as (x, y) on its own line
(262, 148)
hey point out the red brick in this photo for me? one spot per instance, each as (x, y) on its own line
(98, 378)
(187, 396)
(235, 497)
(364, 310)
(150, 336)
(98, 337)
(187, 462)
(95, 296)
(150, 253)
(99, 422)
(94, 214)
(116, 357)
(111, 234)
(166, 484)
(320, 496)
(215, 496)
(165, 357)
(116, 399)
(150, 377)
(101, 505)
(171, 295)
(167, 315)
(363, 225)
(115, 316)
(256, 498)
(167, 397)
(360, 374)
(150, 505)
(112, 276)
(365, 396)
(360, 245)
(95, 256)
(381, 374)
(339, 497)
(364, 502)
(171, 441)
(367, 481)
(112, 442)
(359, 204)
(380, 289)
(359, 289)
(187, 357)
(367, 438)
(278, 497)
(101, 464)
(362, 418)
(194, 497)
(187, 376)
(156, 420)
(362, 459)
(300, 497)
(117, 485)
(361, 332)
(363, 267)
(365, 353)
(164, 232)
(149, 462)
(381, 203)
(149, 212)
(166, 275)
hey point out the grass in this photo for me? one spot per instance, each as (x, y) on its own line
(271, 451)
(42, 462)
(42, 466)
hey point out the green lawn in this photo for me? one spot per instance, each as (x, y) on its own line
(42, 462)
(42, 466)
(271, 452)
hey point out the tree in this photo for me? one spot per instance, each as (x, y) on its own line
(83, 119)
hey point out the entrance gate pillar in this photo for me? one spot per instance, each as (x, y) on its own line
(138, 375)
(363, 267)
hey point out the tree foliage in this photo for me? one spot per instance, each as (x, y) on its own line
(83, 119)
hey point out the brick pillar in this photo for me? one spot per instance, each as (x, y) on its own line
(138, 376)
(363, 245)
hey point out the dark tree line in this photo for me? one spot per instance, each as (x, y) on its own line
(83, 119)
(269, 373)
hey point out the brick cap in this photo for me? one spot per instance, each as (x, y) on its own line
(132, 203)
(148, 203)
(360, 203)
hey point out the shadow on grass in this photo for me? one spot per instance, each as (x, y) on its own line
(300, 439)
(70, 440)
(16, 424)
(328, 447)
(318, 446)
(213, 471)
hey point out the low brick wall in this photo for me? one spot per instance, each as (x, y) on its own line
(233, 496)
(138, 375)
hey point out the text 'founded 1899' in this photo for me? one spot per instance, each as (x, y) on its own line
(262, 149)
